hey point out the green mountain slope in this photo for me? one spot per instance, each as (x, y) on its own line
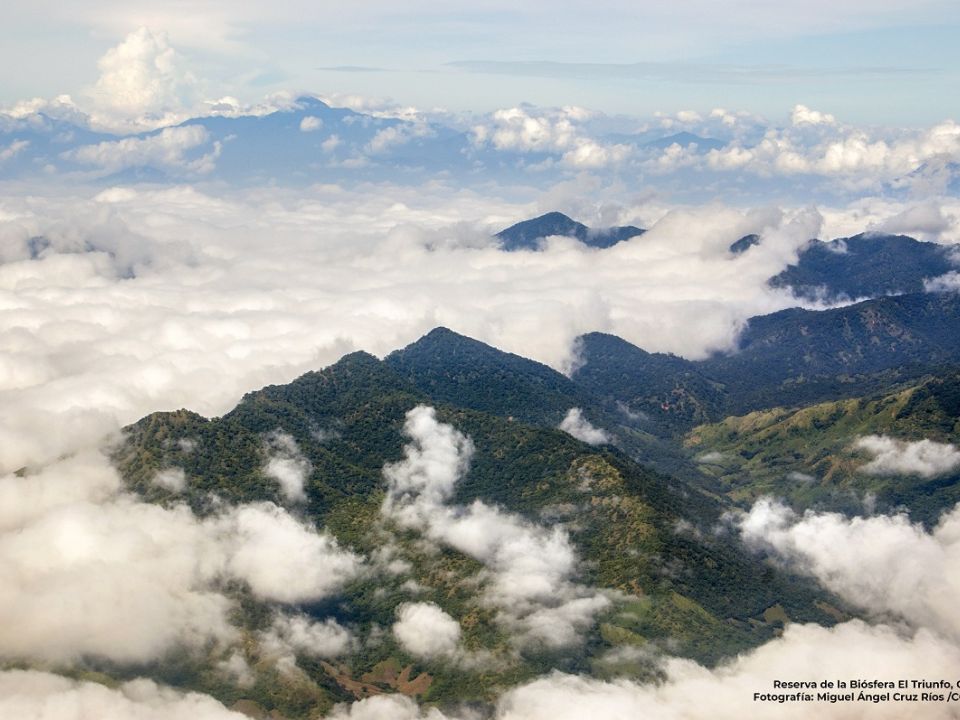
(789, 358)
(645, 539)
(809, 456)
(865, 266)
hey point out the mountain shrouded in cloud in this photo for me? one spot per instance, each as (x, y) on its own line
(320, 404)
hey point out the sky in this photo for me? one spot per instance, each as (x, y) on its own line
(885, 62)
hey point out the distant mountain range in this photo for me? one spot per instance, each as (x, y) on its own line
(865, 266)
(788, 358)
(526, 235)
(308, 141)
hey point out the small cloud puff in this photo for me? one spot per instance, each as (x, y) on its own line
(579, 427)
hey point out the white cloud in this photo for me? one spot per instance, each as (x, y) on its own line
(236, 669)
(899, 457)
(924, 220)
(808, 653)
(425, 630)
(531, 566)
(43, 696)
(857, 158)
(169, 149)
(93, 571)
(943, 283)
(143, 83)
(151, 299)
(287, 466)
(298, 634)
(284, 560)
(389, 707)
(884, 564)
(310, 124)
(388, 138)
(100, 574)
(527, 129)
(590, 154)
(13, 149)
(689, 116)
(172, 479)
(575, 424)
(802, 115)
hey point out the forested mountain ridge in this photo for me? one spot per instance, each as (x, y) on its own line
(646, 549)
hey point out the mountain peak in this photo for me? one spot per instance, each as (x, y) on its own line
(526, 235)
(444, 341)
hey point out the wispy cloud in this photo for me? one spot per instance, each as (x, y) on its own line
(684, 72)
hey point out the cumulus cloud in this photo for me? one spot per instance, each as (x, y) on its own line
(527, 129)
(689, 691)
(802, 115)
(284, 560)
(43, 696)
(885, 564)
(861, 158)
(389, 707)
(575, 424)
(388, 138)
(531, 567)
(310, 123)
(169, 149)
(924, 458)
(287, 466)
(92, 570)
(291, 635)
(425, 630)
(143, 83)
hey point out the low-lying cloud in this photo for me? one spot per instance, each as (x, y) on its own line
(425, 630)
(531, 567)
(140, 300)
(44, 696)
(93, 571)
(287, 466)
(923, 458)
(579, 427)
(883, 564)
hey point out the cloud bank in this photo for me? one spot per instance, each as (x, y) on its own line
(884, 564)
(138, 300)
(93, 571)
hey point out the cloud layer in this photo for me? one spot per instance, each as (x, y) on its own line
(92, 571)
(138, 300)
(884, 564)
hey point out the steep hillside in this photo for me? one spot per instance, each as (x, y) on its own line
(646, 567)
(864, 266)
(790, 358)
(812, 457)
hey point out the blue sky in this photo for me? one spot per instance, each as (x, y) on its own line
(884, 62)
